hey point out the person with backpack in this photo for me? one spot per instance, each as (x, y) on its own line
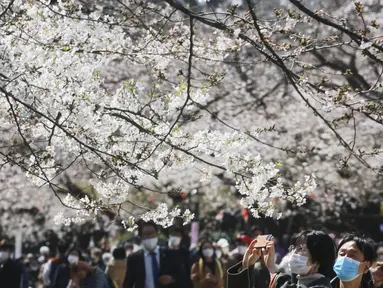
(207, 272)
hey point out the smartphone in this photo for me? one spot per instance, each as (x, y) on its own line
(261, 241)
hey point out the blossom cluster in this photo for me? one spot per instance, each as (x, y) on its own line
(174, 113)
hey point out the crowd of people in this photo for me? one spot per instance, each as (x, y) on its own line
(313, 260)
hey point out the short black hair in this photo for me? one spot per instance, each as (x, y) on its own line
(365, 245)
(176, 229)
(119, 253)
(62, 247)
(142, 224)
(322, 250)
(79, 252)
(128, 245)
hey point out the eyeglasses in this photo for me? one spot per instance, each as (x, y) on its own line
(299, 249)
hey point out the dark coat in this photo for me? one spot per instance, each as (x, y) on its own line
(181, 261)
(11, 275)
(55, 263)
(61, 276)
(135, 271)
(366, 281)
(247, 279)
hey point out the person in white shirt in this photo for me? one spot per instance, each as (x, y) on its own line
(150, 267)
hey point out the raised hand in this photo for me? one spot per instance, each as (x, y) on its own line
(269, 256)
(251, 256)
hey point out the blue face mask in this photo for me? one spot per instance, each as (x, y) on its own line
(346, 269)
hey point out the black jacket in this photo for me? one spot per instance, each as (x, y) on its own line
(180, 259)
(61, 275)
(366, 281)
(135, 270)
(11, 275)
(247, 279)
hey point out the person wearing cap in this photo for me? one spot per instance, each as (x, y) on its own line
(224, 245)
(11, 274)
(43, 259)
(44, 254)
(222, 250)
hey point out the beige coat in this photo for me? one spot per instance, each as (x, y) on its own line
(203, 277)
(116, 270)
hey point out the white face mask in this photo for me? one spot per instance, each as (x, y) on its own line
(4, 256)
(208, 252)
(174, 241)
(150, 244)
(218, 253)
(298, 264)
(225, 250)
(127, 253)
(35, 267)
(242, 250)
(73, 259)
(136, 247)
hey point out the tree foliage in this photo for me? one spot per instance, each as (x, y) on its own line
(148, 99)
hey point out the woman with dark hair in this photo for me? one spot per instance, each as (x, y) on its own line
(311, 259)
(62, 273)
(207, 271)
(355, 257)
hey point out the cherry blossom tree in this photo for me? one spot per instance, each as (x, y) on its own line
(255, 96)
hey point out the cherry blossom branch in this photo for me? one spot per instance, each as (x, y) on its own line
(7, 8)
(284, 68)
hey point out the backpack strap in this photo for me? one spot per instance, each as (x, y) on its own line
(200, 267)
(219, 268)
(273, 282)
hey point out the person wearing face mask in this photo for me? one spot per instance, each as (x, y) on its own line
(225, 248)
(150, 267)
(52, 264)
(11, 274)
(180, 255)
(222, 253)
(355, 257)
(62, 273)
(207, 272)
(310, 263)
(43, 259)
